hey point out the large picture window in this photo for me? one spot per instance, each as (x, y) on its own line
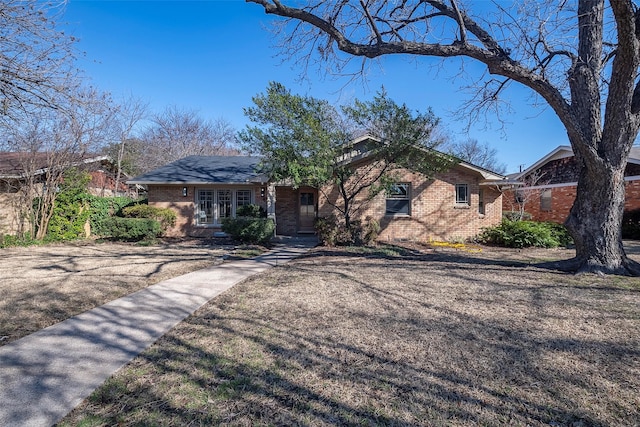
(398, 200)
(214, 205)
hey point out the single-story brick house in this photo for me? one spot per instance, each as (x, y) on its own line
(203, 190)
(549, 186)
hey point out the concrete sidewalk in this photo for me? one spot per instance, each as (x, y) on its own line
(45, 375)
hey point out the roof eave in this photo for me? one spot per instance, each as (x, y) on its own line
(142, 182)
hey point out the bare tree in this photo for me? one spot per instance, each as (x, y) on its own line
(177, 133)
(519, 197)
(36, 60)
(580, 57)
(46, 145)
(477, 153)
(127, 115)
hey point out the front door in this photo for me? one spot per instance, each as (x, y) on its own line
(306, 211)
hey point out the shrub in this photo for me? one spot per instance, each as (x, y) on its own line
(370, 232)
(8, 240)
(522, 234)
(249, 230)
(70, 211)
(132, 229)
(103, 208)
(252, 211)
(165, 216)
(332, 232)
(631, 225)
(516, 216)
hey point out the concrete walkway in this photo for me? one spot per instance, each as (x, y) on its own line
(45, 375)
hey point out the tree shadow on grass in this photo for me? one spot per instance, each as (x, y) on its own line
(276, 351)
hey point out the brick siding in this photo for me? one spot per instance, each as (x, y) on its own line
(434, 214)
(562, 199)
(286, 211)
(170, 196)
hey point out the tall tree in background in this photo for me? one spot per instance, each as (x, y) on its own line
(127, 115)
(477, 153)
(177, 133)
(36, 60)
(580, 56)
(306, 141)
(49, 142)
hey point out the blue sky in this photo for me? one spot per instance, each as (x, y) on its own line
(213, 56)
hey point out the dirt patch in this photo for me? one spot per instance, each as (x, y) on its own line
(393, 336)
(43, 285)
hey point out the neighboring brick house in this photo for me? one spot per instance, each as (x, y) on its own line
(205, 189)
(548, 187)
(17, 168)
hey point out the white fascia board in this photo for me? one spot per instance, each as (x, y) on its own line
(574, 183)
(486, 174)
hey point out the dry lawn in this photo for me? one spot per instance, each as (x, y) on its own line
(393, 337)
(43, 285)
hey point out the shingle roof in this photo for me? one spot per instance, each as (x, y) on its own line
(13, 164)
(205, 170)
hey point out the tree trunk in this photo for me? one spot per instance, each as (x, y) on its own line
(595, 218)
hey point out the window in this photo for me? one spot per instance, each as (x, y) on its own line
(481, 201)
(545, 200)
(214, 205)
(462, 194)
(224, 204)
(398, 200)
(205, 215)
(243, 198)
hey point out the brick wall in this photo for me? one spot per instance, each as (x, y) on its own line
(286, 208)
(9, 209)
(170, 196)
(434, 215)
(561, 201)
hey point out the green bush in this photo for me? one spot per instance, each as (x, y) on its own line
(631, 225)
(70, 211)
(132, 229)
(249, 230)
(522, 234)
(252, 211)
(165, 216)
(103, 208)
(8, 240)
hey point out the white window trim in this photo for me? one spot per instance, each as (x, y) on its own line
(399, 197)
(216, 215)
(462, 204)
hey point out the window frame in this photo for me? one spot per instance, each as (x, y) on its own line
(200, 214)
(546, 200)
(459, 201)
(481, 205)
(217, 197)
(396, 197)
